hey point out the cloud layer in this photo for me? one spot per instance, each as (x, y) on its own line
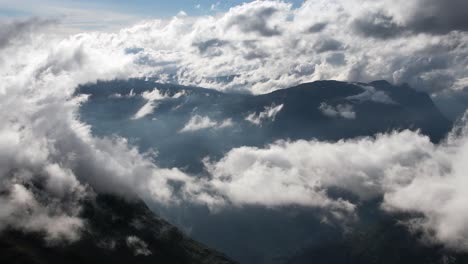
(50, 162)
(412, 175)
(267, 45)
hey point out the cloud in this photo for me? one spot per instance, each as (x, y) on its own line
(336, 59)
(13, 31)
(390, 19)
(152, 98)
(431, 16)
(377, 25)
(412, 175)
(198, 122)
(138, 246)
(299, 172)
(371, 94)
(268, 45)
(117, 95)
(41, 138)
(327, 44)
(43, 141)
(209, 45)
(269, 113)
(256, 18)
(318, 27)
(49, 160)
(345, 111)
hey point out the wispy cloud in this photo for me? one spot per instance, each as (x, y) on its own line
(198, 122)
(152, 98)
(342, 110)
(269, 114)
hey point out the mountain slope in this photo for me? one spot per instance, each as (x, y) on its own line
(118, 231)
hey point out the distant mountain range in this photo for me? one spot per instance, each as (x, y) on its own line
(323, 110)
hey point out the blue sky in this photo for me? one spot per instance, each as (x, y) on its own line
(97, 14)
(134, 8)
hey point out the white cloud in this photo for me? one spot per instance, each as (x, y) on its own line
(371, 94)
(267, 45)
(342, 110)
(411, 173)
(269, 113)
(152, 98)
(299, 172)
(129, 95)
(138, 246)
(42, 140)
(262, 46)
(198, 122)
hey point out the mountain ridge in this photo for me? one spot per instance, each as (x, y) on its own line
(118, 231)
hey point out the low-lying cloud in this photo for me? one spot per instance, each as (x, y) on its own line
(152, 98)
(372, 94)
(198, 122)
(345, 111)
(268, 114)
(412, 175)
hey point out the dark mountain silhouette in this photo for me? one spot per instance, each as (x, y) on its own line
(118, 231)
(379, 238)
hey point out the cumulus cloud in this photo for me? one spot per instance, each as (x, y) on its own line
(430, 16)
(411, 173)
(49, 160)
(300, 172)
(267, 45)
(257, 18)
(40, 187)
(377, 25)
(342, 110)
(269, 113)
(318, 27)
(262, 46)
(17, 31)
(198, 122)
(327, 44)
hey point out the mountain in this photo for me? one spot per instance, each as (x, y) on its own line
(377, 239)
(187, 124)
(323, 110)
(118, 231)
